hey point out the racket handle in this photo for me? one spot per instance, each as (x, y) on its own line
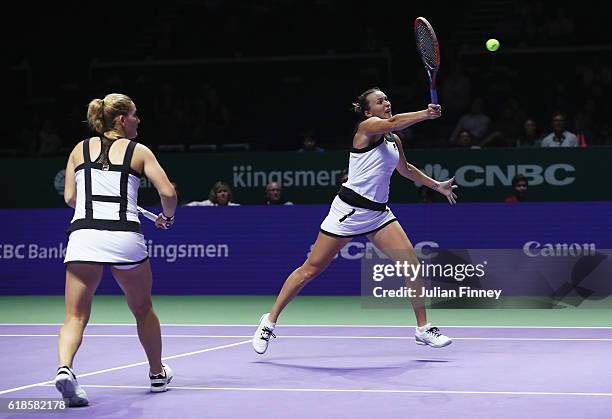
(147, 214)
(434, 96)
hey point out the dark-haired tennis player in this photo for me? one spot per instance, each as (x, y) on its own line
(102, 179)
(361, 209)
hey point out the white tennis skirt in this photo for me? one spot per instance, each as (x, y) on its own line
(109, 247)
(345, 220)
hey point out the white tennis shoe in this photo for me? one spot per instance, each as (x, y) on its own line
(430, 336)
(159, 382)
(72, 393)
(262, 335)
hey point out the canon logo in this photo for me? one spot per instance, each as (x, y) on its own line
(534, 248)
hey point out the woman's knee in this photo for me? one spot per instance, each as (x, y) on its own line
(309, 272)
(141, 308)
(76, 316)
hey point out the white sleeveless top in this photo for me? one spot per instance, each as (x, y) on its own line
(107, 194)
(370, 169)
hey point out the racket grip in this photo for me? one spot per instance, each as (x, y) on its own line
(147, 214)
(434, 96)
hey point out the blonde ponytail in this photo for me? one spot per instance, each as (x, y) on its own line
(102, 113)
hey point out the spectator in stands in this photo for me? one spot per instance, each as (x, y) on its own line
(562, 97)
(169, 105)
(529, 19)
(519, 189)
(530, 137)
(220, 195)
(584, 121)
(499, 82)
(593, 74)
(214, 119)
(559, 29)
(510, 28)
(606, 134)
(560, 137)
(27, 137)
(49, 142)
(456, 90)
(465, 139)
(309, 143)
(504, 128)
(475, 122)
(274, 194)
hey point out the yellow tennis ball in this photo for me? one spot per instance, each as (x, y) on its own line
(492, 44)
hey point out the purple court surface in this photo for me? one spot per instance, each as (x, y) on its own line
(323, 372)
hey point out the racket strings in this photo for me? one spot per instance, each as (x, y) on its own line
(427, 46)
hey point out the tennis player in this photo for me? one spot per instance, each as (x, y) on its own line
(102, 179)
(361, 209)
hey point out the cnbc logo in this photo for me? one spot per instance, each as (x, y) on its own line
(247, 177)
(471, 175)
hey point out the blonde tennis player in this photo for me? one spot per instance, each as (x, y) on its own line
(102, 179)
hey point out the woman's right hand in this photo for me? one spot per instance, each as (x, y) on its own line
(164, 222)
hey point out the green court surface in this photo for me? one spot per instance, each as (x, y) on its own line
(329, 310)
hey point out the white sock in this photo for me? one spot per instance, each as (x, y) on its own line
(268, 323)
(424, 327)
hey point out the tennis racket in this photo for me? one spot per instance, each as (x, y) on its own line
(429, 49)
(147, 214)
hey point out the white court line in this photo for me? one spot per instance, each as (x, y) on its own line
(357, 390)
(319, 325)
(325, 337)
(10, 390)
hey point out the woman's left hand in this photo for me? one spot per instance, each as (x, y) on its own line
(447, 189)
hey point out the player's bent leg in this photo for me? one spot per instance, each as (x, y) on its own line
(81, 283)
(323, 252)
(136, 284)
(393, 242)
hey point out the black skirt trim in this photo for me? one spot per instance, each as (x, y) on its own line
(93, 262)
